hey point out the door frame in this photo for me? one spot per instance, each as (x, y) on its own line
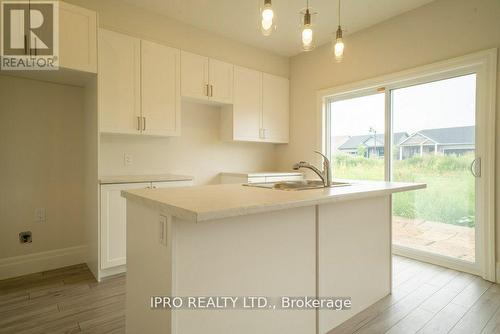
(484, 64)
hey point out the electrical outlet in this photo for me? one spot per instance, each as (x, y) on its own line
(127, 159)
(40, 215)
(25, 237)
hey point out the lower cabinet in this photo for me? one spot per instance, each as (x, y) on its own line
(113, 222)
(260, 177)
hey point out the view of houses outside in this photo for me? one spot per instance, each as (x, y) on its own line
(441, 218)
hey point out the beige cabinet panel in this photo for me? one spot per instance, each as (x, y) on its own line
(194, 76)
(275, 109)
(113, 223)
(221, 81)
(119, 83)
(77, 38)
(160, 89)
(247, 104)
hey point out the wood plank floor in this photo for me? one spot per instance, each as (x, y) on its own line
(66, 300)
(426, 299)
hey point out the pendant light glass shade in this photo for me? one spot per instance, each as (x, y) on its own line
(307, 31)
(267, 18)
(338, 42)
(338, 46)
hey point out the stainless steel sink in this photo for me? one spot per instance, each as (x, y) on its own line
(296, 185)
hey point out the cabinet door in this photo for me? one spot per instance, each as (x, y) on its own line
(77, 38)
(194, 76)
(275, 110)
(171, 184)
(119, 83)
(113, 223)
(160, 90)
(247, 104)
(221, 81)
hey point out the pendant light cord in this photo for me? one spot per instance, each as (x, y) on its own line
(339, 13)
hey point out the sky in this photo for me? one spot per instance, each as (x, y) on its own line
(440, 104)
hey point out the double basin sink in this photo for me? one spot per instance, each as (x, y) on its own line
(297, 185)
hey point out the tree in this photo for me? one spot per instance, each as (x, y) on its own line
(362, 151)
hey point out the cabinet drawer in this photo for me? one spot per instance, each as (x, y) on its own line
(256, 179)
(283, 178)
(171, 184)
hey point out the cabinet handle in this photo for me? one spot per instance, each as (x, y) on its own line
(207, 90)
(144, 124)
(35, 47)
(211, 91)
(138, 123)
(25, 45)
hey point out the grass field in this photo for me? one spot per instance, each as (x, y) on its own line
(449, 197)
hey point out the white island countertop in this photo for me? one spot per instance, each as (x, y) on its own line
(204, 203)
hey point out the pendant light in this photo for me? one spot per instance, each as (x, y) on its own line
(338, 43)
(307, 31)
(267, 16)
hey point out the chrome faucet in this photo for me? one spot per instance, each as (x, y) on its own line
(325, 175)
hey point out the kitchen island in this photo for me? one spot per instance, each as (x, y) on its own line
(233, 240)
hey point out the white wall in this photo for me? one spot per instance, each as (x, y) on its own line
(41, 165)
(198, 152)
(440, 30)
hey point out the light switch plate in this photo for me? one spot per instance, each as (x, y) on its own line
(40, 215)
(127, 159)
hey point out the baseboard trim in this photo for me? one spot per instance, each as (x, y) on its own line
(497, 272)
(103, 273)
(42, 261)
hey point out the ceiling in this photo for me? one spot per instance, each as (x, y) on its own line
(239, 19)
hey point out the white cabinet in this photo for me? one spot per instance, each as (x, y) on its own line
(260, 109)
(220, 75)
(242, 120)
(113, 223)
(119, 83)
(206, 79)
(113, 220)
(260, 177)
(169, 184)
(139, 86)
(77, 38)
(160, 89)
(194, 76)
(275, 108)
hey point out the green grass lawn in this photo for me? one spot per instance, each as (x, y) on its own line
(448, 198)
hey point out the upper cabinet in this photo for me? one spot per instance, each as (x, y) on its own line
(260, 109)
(220, 75)
(160, 72)
(194, 76)
(119, 83)
(77, 38)
(275, 108)
(139, 86)
(206, 79)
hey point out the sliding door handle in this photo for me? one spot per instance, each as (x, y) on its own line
(475, 167)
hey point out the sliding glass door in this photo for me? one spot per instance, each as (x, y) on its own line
(358, 137)
(416, 131)
(433, 142)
